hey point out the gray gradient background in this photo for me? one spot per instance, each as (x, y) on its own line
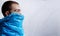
(42, 17)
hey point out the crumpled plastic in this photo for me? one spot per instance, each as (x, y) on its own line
(11, 25)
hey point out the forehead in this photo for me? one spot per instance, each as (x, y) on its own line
(15, 6)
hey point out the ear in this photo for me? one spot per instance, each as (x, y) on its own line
(7, 13)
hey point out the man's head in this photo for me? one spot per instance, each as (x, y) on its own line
(10, 6)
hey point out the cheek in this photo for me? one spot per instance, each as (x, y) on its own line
(12, 11)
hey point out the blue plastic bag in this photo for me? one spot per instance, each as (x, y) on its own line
(11, 25)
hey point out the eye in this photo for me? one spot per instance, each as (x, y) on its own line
(14, 10)
(17, 10)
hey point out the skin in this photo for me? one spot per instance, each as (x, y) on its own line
(15, 8)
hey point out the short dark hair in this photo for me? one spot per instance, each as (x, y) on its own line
(7, 6)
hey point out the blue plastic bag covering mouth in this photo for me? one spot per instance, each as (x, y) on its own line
(14, 14)
(11, 25)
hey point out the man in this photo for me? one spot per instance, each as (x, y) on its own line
(11, 24)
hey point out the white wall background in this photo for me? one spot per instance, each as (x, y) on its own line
(42, 17)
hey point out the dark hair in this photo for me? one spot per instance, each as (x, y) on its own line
(7, 6)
